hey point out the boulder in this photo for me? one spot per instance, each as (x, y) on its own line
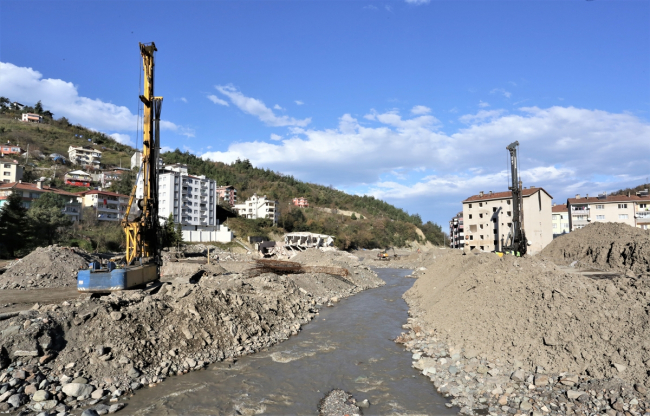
(77, 389)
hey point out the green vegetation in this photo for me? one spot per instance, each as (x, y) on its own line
(632, 191)
(14, 227)
(46, 218)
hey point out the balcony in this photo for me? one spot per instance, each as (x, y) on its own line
(642, 217)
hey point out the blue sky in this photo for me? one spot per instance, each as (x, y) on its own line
(411, 101)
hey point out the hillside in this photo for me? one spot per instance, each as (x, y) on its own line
(633, 190)
(379, 224)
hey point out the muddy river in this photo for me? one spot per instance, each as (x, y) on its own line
(348, 346)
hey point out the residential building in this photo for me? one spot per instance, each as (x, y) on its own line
(32, 118)
(107, 177)
(11, 149)
(17, 106)
(259, 207)
(10, 171)
(227, 194)
(109, 206)
(487, 219)
(78, 178)
(627, 209)
(86, 156)
(301, 202)
(31, 192)
(560, 220)
(456, 232)
(136, 160)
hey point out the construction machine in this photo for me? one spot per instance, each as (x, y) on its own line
(516, 242)
(141, 263)
(383, 255)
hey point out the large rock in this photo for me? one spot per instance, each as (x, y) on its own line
(77, 389)
(40, 396)
(16, 400)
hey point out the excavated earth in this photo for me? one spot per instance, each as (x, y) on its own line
(97, 349)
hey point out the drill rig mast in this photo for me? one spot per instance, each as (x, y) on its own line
(516, 241)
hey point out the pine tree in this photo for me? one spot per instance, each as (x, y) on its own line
(38, 108)
(47, 217)
(14, 227)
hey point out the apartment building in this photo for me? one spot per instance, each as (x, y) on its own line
(107, 177)
(11, 149)
(32, 118)
(301, 202)
(85, 155)
(627, 209)
(560, 220)
(31, 192)
(227, 194)
(109, 206)
(259, 207)
(10, 171)
(487, 219)
(78, 178)
(456, 232)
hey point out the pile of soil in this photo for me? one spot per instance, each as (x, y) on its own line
(51, 266)
(531, 311)
(603, 245)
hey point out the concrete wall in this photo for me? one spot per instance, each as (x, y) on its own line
(538, 221)
(220, 235)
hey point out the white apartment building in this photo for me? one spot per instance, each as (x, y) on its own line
(628, 209)
(560, 219)
(108, 206)
(487, 218)
(85, 156)
(10, 171)
(259, 207)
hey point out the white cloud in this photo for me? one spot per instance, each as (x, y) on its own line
(501, 91)
(258, 109)
(123, 139)
(275, 137)
(417, 2)
(217, 100)
(483, 104)
(481, 116)
(370, 7)
(164, 149)
(183, 99)
(277, 107)
(298, 102)
(420, 109)
(183, 131)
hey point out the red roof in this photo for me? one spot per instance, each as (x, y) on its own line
(32, 187)
(608, 198)
(560, 208)
(107, 193)
(502, 195)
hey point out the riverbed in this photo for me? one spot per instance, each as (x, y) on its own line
(349, 346)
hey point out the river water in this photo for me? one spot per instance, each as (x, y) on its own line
(349, 346)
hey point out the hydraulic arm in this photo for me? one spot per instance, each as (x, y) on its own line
(516, 241)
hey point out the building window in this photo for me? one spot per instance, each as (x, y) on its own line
(480, 215)
(510, 213)
(494, 209)
(600, 217)
(482, 248)
(508, 202)
(481, 237)
(643, 205)
(470, 205)
(481, 226)
(470, 216)
(480, 204)
(622, 216)
(471, 237)
(554, 225)
(600, 206)
(622, 206)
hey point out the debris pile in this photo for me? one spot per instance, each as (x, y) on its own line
(604, 245)
(290, 267)
(338, 403)
(51, 266)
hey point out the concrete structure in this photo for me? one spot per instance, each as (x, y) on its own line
(560, 219)
(303, 240)
(301, 202)
(259, 207)
(197, 234)
(107, 177)
(487, 219)
(136, 160)
(86, 156)
(11, 149)
(456, 232)
(31, 192)
(627, 209)
(227, 194)
(32, 118)
(10, 171)
(78, 178)
(108, 206)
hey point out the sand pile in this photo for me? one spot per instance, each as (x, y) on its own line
(607, 246)
(51, 266)
(529, 310)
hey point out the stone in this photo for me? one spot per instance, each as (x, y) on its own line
(518, 375)
(77, 389)
(574, 394)
(46, 358)
(16, 400)
(31, 389)
(133, 372)
(541, 380)
(90, 412)
(453, 369)
(99, 393)
(569, 380)
(116, 407)
(49, 404)
(70, 365)
(136, 386)
(116, 316)
(618, 405)
(493, 372)
(41, 395)
(525, 405)
(65, 379)
(416, 356)
(503, 400)
(19, 375)
(80, 380)
(6, 395)
(619, 367)
(640, 388)
(364, 403)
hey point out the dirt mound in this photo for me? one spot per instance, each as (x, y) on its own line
(608, 246)
(51, 266)
(338, 403)
(530, 310)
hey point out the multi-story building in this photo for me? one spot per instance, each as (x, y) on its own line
(86, 156)
(31, 192)
(259, 207)
(227, 194)
(301, 202)
(108, 206)
(32, 118)
(11, 149)
(10, 171)
(487, 219)
(107, 177)
(627, 209)
(78, 178)
(560, 220)
(136, 161)
(456, 234)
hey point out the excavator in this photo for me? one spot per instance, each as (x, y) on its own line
(516, 242)
(141, 263)
(383, 255)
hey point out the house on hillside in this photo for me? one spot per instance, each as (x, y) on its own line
(30, 192)
(227, 194)
(85, 156)
(456, 232)
(109, 206)
(560, 219)
(32, 118)
(11, 149)
(78, 178)
(17, 106)
(10, 171)
(259, 207)
(301, 202)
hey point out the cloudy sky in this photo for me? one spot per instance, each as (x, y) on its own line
(411, 101)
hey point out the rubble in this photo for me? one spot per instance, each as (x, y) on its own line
(338, 403)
